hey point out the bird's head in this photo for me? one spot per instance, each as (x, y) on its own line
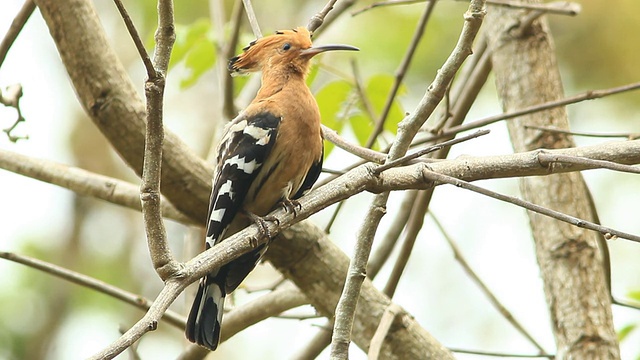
(286, 50)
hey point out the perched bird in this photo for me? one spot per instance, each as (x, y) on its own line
(270, 154)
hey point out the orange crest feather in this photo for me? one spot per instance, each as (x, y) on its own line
(258, 51)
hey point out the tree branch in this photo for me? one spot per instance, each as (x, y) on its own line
(572, 260)
(357, 150)
(253, 20)
(92, 283)
(84, 182)
(628, 136)
(317, 19)
(163, 260)
(588, 95)
(407, 130)
(11, 97)
(430, 149)
(16, 26)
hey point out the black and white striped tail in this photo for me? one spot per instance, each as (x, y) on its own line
(203, 324)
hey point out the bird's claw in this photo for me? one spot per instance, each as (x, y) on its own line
(292, 206)
(263, 228)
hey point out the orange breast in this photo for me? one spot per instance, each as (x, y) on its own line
(298, 146)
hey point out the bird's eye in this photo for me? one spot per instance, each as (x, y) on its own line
(286, 46)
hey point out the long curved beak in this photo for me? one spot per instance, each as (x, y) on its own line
(313, 51)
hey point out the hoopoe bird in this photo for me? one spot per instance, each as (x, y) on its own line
(270, 154)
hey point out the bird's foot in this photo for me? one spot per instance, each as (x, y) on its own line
(292, 206)
(263, 227)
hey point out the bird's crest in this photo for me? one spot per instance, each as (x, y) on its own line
(283, 44)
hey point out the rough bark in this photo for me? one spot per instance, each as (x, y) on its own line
(571, 263)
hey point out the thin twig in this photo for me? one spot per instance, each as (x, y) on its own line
(149, 321)
(401, 72)
(548, 160)
(317, 19)
(465, 90)
(144, 55)
(346, 308)
(497, 354)
(92, 283)
(558, 7)
(624, 303)
(16, 26)
(11, 97)
(228, 108)
(317, 344)
(628, 136)
(253, 20)
(431, 148)
(483, 287)
(359, 151)
(589, 95)
(388, 242)
(331, 16)
(386, 321)
(607, 232)
(366, 103)
(333, 171)
(297, 317)
(385, 3)
(414, 225)
(334, 216)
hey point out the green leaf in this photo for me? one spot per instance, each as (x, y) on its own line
(186, 38)
(625, 331)
(332, 99)
(362, 128)
(199, 59)
(634, 294)
(194, 46)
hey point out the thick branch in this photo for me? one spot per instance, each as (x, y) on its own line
(83, 182)
(571, 259)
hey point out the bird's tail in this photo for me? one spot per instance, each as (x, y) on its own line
(203, 324)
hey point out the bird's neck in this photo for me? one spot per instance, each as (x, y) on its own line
(274, 81)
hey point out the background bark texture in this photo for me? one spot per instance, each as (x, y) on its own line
(571, 262)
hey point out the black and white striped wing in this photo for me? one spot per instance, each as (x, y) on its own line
(245, 146)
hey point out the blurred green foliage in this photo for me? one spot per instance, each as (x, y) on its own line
(195, 45)
(332, 101)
